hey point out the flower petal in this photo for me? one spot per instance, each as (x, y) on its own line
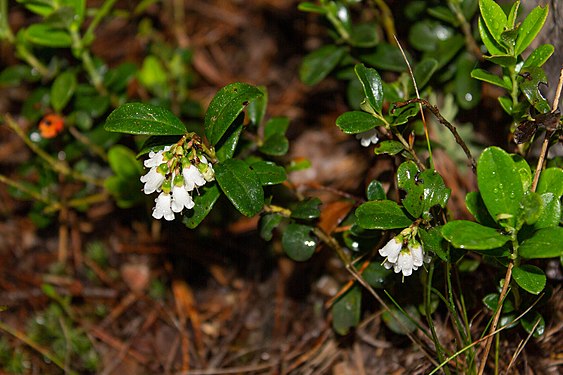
(391, 249)
(181, 199)
(153, 181)
(417, 254)
(163, 208)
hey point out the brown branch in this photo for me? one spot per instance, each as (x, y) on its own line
(444, 122)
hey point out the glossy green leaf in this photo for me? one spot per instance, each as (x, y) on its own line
(226, 106)
(275, 145)
(354, 122)
(530, 87)
(14, 75)
(382, 214)
(477, 208)
(385, 57)
(505, 61)
(139, 118)
(388, 147)
(551, 181)
(402, 115)
(531, 320)
(446, 51)
(551, 211)
(204, 200)
(318, 64)
(511, 19)
(123, 162)
(153, 75)
(364, 35)
(530, 27)
(346, 311)
(61, 18)
(45, 35)
(62, 90)
(491, 302)
(241, 185)
(424, 189)
(432, 240)
(267, 224)
(465, 234)
(545, 243)
(493, 47)
(539, 56)
(276, 125)
(523, 170)
(226, 148)
(506, 104)
(298, 242)
(530, 278)
(371, 82)
(531, 207)
(269, 173)
(157, 143)
(500, 185)
(494, 17)
(375, 191)
(40, 7)
(427, 34)
(257, 108)
(485, 76)
(307, 209)
(467, 89)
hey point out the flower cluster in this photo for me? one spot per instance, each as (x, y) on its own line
(368, 137)
(175, 172)
(402, 258)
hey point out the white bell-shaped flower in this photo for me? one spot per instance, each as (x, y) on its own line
(192, 177)
(156, 158)
(368, 137)
(181, 199)
(404, 263)
(163, 207)
(417, 254)
(153, 180)
(392, 249)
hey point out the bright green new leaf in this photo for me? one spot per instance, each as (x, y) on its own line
(493, 47)
(346, 311)
(319, 63)
(539, 56)
(123, 162)
(551, 211)
(241, 185)
(269, 173)
(545, 243)
(204, 201)
(226, 106)
(139, 118)
(371, 82)
(485, 76)
(62, 90)
(354, 122)
(298, 242)
(468, 235)
(530, 28)
(40, 7)
(494, 17)
(530, 278)
(45, 35)
(505, 61)
(500, 185)
(382, 214)
(551, 181)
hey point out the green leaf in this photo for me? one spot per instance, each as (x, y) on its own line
(467, 89)
(424, 189)
(275, 145)
(388, 147)
(402, 115)
(477, 208)
(276, 125)
(47, 36)
(257, 108)
(375, 274)
(494, 17)
(432, 240)
(465, 234)
(307, 209)
(500, 185)
(241, 185)
(382, 214)
(125, 186)
(298, 242)
(400, 323)
(423, 71)
(539, 56)
(530, 87)
(550, 213)
(152, 75)
(530, 278)
(354, 122)
(269, 173)
(375, 191)
(40, 7)
(157, 143)
(493, 47)
(123, 162)
(318, 64)
(427, 34)
(531, 208)
(226, 106)
(485, 76)
(551, 181)
(531, 320)
(204, 202)
(268, 223)
(524, 171)
(505, 61)
(371, 82)
(530, 28)
(62, 90)
(311, 7)
(364, 35)
(226, 148)
(139, 118)
(346, 311)
(545, 243)
(511, 21)
(385, 57)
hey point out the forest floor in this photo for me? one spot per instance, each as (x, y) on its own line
(147, 297)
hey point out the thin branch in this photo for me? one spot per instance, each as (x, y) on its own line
(444, 122)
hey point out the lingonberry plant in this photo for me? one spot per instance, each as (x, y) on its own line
(399, 236)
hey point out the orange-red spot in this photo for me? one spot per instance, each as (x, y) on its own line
(51, 125)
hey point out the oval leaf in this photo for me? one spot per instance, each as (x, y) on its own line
(298, 243)
(62, 90)
(45, 35)
(494, 17)
(203, 203)
(225, 107)
(388, 147)
(371, 82)
(307, 209)
(269, 173)
(465, 234)
(539, 56)
(355, 122)
(384, 214)
(346, 311)
(139, 118)
(530, 27)
(545, 243)
(500, 185)
(241, 185)
(318, 64)
(530, 278)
